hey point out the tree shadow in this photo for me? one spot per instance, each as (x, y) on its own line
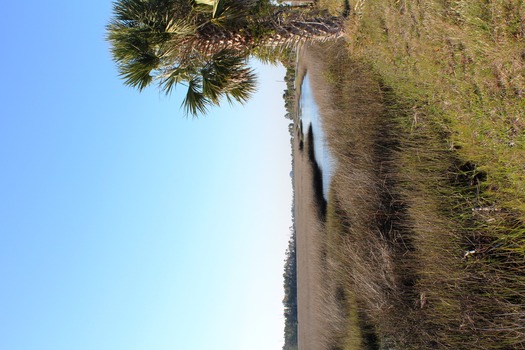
(317, 178)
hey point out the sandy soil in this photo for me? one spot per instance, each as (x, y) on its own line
(308, 274)
(308, 248)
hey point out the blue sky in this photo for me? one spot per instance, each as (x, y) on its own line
(124, 225)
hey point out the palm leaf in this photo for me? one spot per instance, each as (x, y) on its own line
(218, 8)
(180, 27)
(238, 81)
(195, 102)
(137, 73)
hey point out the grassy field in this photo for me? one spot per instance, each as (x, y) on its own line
(424, 229)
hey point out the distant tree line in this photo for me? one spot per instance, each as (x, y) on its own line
(290, 295)
(290, 263)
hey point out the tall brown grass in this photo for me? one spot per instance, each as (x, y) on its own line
(415, 253)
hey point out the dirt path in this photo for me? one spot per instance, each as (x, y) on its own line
(308, 274)
(308, 248)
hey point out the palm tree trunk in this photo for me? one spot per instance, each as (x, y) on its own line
(284, 29)
(292, 28)
(212, 39)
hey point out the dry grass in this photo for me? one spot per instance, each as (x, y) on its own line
(404, 209)
(456, 77)
(462, 63)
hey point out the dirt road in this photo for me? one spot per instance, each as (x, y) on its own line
(308, 240)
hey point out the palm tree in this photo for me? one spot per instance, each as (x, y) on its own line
(205, 44)
(223, 75)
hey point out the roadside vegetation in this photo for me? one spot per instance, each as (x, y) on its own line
(424, 109)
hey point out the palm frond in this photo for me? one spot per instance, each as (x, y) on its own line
(195, 102)
(272, 54)
(137, 73)
(212, 86)
(215, 7)
(180, 26)
(173, 76)
(242, 87)
(238, 81)
(230, 14)
(218, 8)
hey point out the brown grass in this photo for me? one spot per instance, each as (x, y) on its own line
(462, 63)
(402, 212)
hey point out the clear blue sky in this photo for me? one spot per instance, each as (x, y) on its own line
(124, 225)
